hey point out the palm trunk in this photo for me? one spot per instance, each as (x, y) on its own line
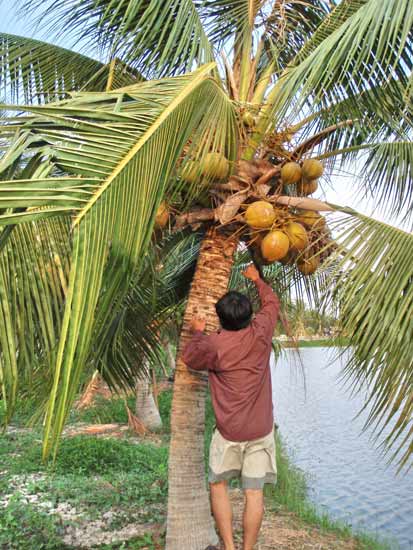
(190, 525)
(146, 409)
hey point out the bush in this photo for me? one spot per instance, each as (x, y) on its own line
(91, 455)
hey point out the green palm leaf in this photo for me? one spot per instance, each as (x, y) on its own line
(371, 46)
(33, 273)
(34, 72)
(156, 38)
(373, 287)
(119, 137)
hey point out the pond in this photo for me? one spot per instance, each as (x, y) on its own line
(347, 476)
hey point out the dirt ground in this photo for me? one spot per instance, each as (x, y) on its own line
(284, 531)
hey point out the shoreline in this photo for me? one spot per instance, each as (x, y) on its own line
(314, 343)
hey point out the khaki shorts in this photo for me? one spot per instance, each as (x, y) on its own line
(253, 460)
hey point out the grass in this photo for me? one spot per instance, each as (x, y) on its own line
(97, 475)
(324, 343)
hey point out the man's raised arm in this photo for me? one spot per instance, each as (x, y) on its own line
(270, 303)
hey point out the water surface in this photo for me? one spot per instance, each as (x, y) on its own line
(348, 477)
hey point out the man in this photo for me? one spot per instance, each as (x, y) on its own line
(237, 358)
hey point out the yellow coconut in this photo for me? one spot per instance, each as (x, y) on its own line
(308, 266)
(248, 119)
(297, 235)
(190, 172)
(307, 187)
(311, 219)
(275, 245)
(312, 169)
(260, 215)
(291, 173)
(162, 215)
(215, 166)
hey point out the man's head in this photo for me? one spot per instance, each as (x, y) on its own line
(234, 311)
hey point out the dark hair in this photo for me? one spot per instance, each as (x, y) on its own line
(234, 310)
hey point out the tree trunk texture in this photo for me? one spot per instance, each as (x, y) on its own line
(146, 409)
(190, 525)
(96, 387)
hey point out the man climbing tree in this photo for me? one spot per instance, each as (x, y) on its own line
(237, 358)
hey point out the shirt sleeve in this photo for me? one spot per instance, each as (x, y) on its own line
(199, 353)
(268, 315)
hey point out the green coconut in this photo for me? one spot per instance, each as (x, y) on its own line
(291, 173)
(312, 169)
(190, 172)
(215, 166)
(307, 187)
(297, 236)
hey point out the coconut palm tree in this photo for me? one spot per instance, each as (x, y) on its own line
(272, 82)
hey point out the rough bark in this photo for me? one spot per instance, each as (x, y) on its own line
(190, 524)
(146, 410)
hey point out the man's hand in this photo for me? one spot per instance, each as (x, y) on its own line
(198, 323)
(251, 273)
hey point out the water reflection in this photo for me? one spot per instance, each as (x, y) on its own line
(346, 473)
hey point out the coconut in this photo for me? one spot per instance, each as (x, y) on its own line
(190, 172)
(291, 173)
(215, 166)
(275, 245)
(248, 119)
(311, 219)
(260, 215)
(297, 235)
(308, 266)
(312, 169)
(162, 215)
(307, 187)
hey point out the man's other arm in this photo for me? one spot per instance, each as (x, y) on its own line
(199, 354)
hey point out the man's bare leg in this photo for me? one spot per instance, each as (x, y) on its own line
(253, 514)
(222, 510)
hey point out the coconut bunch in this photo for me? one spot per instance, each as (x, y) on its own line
(213, 167)
(305, 175)
(286, 235)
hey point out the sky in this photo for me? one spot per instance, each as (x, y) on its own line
(342, 190)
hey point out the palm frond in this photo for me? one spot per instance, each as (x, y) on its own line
(371, 46)
(32, 71)
(156, 38)
(33, 281)
(387, 175)
(118, 137)
(373, 288)
(287, 27)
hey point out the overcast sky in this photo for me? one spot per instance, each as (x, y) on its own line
(342, 191)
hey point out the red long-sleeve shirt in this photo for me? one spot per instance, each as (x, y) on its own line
(239, 373)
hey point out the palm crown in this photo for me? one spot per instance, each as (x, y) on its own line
(97, 146)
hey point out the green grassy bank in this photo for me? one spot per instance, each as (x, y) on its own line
(321, 343)
(119, 480)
